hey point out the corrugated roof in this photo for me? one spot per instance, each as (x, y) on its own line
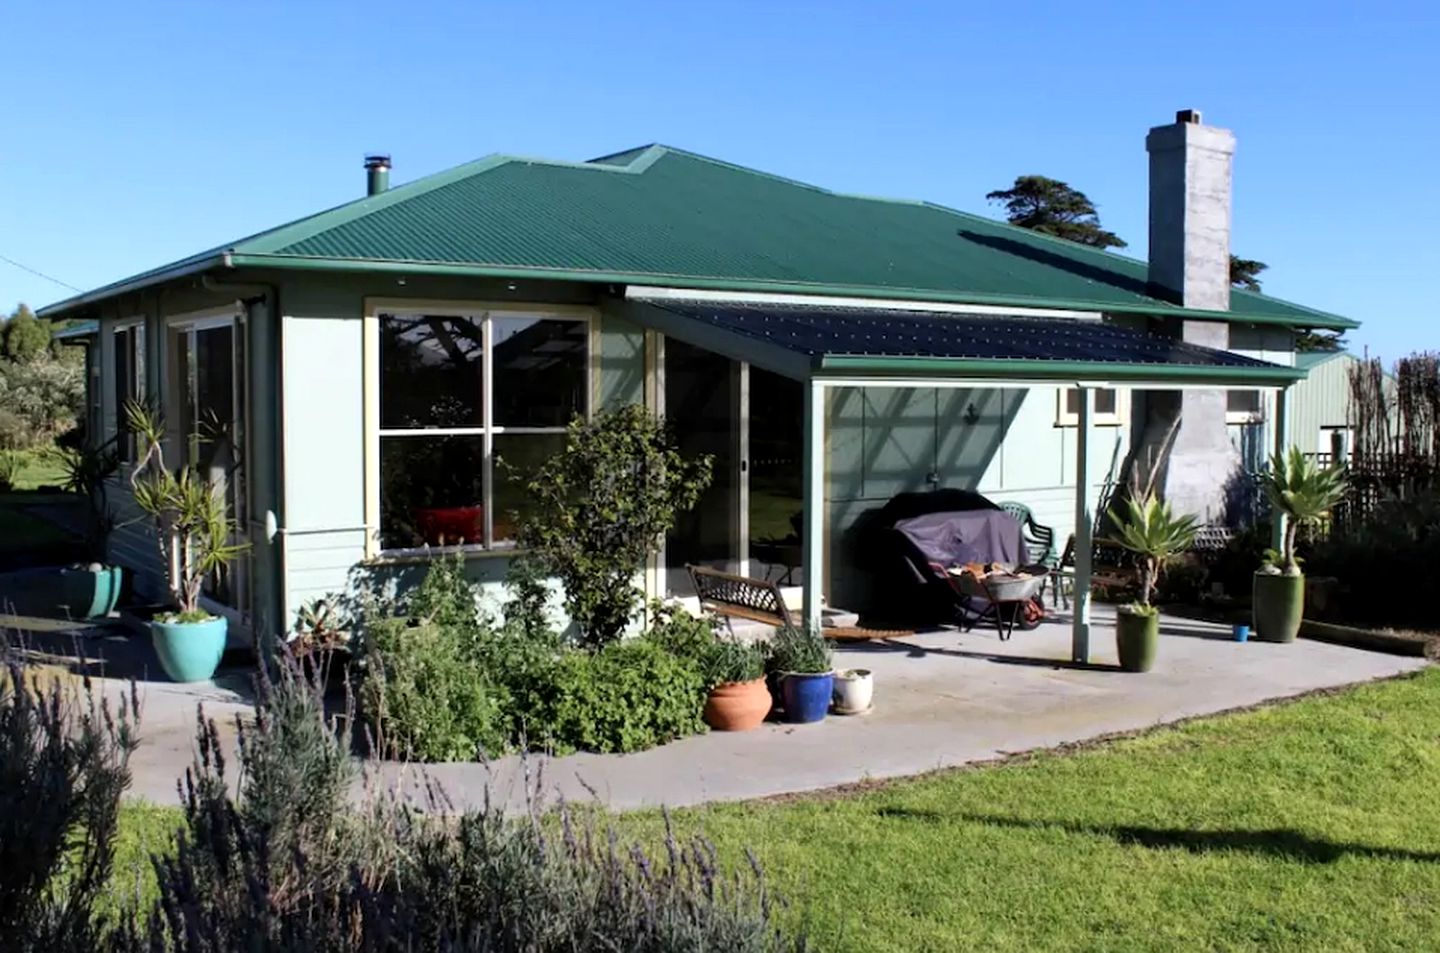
(657, 215)
(1306, 360)
(859, 337)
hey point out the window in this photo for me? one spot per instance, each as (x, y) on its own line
(1244, 407)
(469, 404)
(129, 368)
(1106, 407)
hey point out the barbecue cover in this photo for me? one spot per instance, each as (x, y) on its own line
(970, 536)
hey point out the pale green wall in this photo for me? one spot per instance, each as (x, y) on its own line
(323, 515)
(885, 441)
(1322, 401)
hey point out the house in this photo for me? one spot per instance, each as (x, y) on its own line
(1320, 418)
(361, 371)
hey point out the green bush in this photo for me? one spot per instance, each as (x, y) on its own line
(626, 697)
(426, 697)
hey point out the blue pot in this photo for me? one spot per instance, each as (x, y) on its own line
(189, 651)
(91, 593)
(807, 697)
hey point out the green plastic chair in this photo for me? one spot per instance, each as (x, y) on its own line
(1039, 540)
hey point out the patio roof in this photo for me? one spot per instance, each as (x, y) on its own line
(813, 341)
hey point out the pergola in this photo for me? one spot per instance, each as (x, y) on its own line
(828, 343)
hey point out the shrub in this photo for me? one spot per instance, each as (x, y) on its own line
(626, 697)
(682, 634)
(64, 756)
(600, 506)
(426, 696)
(11, 463)
(291, 863)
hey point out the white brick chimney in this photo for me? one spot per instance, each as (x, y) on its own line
(1190, 266)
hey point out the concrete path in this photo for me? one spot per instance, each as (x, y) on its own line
(942, 699)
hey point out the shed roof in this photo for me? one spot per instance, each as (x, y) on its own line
(829, 340)
(662, 216)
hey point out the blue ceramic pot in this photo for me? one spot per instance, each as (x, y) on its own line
(91, 593)
(807, 697)
(189, 651)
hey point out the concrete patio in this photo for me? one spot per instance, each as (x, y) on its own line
(943, 699)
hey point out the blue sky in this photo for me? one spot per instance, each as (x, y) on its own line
(141, 132)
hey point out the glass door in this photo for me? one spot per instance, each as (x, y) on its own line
(208, 430)
(702, 401)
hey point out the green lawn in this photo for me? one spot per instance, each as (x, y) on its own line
(1307, 826)
(40, 469)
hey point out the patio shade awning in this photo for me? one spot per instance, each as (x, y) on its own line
(809, 341)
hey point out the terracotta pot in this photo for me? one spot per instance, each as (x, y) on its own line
(737, 706)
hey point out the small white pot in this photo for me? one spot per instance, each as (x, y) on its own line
(854, 691)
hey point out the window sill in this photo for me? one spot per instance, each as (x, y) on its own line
(412, 557)
(1102, 422)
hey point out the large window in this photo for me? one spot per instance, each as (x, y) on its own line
(129, 376)
(469, 404)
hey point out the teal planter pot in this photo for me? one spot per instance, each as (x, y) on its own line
(91, 593)
(189, 651)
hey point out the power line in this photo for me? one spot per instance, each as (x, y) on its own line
(39, 274)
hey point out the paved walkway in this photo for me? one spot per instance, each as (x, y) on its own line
(942, 700)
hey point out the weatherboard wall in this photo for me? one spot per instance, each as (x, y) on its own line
(323, 525)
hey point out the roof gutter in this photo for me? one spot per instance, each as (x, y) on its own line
(138, 283)
(1158, 308)
(1065, 371)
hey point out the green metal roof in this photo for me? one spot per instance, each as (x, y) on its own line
(660, 216)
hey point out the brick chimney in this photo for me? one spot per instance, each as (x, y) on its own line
(1190, 266)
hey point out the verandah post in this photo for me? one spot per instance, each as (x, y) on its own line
(812, 553)
(1084, 524)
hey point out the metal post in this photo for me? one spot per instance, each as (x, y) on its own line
(1282, 439)
(1084, 524)
(813, 542)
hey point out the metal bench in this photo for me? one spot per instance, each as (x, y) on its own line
(757, 600)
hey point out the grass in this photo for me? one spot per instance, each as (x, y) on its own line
(1310, 825)
(40, 469)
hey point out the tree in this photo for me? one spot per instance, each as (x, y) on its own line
(26, 337)
(1312, 340)
(600, 506)
(1245, 273)
(1051, 206)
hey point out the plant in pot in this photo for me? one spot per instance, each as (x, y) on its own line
(92, 589)
(1148, 529)
(1304, 493)
(195, 534)
(801, 660)
(854, 690)
(737, 698)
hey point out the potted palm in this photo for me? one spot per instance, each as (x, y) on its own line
(801, 659)
(92, 589)
(195, 534)
(735, 677)
(1304, 493)
(1148, 529)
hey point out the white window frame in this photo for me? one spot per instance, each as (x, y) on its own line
(1256, 416)
(1064, 418)
(487, 311)
(139, 350)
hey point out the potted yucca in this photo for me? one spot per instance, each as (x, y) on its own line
(1304, 492)
(195, 533)
(1148, 529)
